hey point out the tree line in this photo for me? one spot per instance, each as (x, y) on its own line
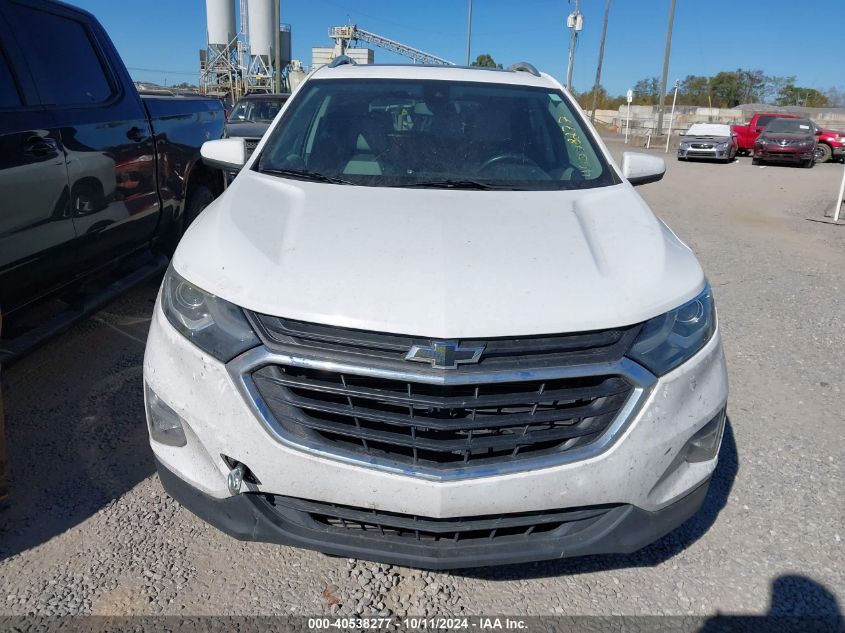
(725, 89)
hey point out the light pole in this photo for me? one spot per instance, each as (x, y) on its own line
(672, 116)
(665, 67)
(469, 27)
(574, 21)
(601, 58)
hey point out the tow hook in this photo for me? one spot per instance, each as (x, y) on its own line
(235, 479)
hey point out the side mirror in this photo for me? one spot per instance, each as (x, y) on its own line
(682, 133)
(224, 153)
(641, 169)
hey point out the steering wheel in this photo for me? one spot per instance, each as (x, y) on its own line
(509, 157)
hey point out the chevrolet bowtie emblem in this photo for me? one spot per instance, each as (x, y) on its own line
(445, 354)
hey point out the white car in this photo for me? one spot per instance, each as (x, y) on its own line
(432, 323)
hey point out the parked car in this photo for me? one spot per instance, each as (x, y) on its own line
(91, 174)
(830, 146)
(442, 335)
(709, 141)
(747, 134)
(252, 115)
(787, 140)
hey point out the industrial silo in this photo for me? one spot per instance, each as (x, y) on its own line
(220, 20)
(262, 28)
(285, 45)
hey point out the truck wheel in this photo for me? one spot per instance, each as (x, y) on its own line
(823, 153)
(198, 199)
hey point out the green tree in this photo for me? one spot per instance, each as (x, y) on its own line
(694, 90)
(774, 86)
(727, 89)
(796, 95)
(835, 97)
(604, 101)
(647, 91)
(485, 61)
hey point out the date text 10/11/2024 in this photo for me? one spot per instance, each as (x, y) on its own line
(419, 623)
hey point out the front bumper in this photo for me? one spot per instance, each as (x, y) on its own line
(786, 155)
(624, 530)
(643, 469)
(703, 154)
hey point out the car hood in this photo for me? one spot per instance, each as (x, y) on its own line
(706, 139)
(438, 263)
(247, 129)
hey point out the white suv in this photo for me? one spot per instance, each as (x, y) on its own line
(432, 323)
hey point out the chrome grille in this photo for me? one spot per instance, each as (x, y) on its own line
(530, 402)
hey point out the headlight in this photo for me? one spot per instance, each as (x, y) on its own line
(684, 145)
(212, 324)
(670, 339)
(722, 146)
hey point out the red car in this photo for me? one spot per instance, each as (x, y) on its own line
(746, 135)
(787, 140)
(831, 145)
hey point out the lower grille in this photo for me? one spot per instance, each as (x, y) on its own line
(440, 426)
(517, 527)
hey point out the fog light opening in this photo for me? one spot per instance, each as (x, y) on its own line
(238, 473)
(704, 445)
(164, 423)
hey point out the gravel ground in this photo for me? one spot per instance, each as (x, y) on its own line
(91, 531)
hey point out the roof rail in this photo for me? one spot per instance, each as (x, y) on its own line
(342, 60)
(524, 67)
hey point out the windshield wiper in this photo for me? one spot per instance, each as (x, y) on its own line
(304, 174)
(459, 184)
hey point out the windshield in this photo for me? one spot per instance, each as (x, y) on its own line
(255, 111)
(709, 129)
(790, 126)
(434, 133)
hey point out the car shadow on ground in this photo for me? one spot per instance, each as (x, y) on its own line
(650, 556)
(798, 605)
(76, 433)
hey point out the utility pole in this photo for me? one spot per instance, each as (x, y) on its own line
(469, 27)
(575, 21)
(601, 58)
(277, 61)
(662, 97)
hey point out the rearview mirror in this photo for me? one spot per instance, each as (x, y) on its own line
(224, 153)
(641, 169)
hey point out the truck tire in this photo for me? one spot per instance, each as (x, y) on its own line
(199, 198)
(823, 153)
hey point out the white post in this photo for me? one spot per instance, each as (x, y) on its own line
(838, 206)
(630, 97)
(672, 116)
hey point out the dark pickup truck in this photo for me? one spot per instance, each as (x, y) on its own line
(91, 173)
(95, 181)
